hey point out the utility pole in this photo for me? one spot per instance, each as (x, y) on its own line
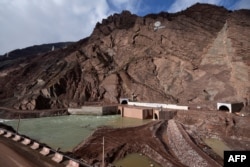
(103, 163)
(18, 124)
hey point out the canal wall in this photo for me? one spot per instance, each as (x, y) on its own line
(158, 105)
(44, 150)
(94, 110)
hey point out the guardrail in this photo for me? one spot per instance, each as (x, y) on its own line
(26, 141)
(73, 164)
(45, 151)
(57, 157)
(35, 146)
(17, 138)
(8, 134)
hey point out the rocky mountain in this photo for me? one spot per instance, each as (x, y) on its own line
(19, 55)
(197, 56)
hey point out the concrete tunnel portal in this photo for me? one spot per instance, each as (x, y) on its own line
(124, 100)
(230, 106)
(224, 108)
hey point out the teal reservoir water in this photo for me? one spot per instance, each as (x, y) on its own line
(136, 160)
(67, 132)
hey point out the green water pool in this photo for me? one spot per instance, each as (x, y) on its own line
(68, 131)
(136, 160)
(217, 146)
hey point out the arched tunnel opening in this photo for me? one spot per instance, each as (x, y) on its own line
(124, 102)
(118, 111)
(155, 116)
(224, 108)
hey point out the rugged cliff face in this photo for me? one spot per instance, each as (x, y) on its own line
(199, 55)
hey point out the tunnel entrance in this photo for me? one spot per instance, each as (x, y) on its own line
(118, 111)
(124, 102)
(224, 108)
(155, 116)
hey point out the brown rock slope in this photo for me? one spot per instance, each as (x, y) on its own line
(202, 55)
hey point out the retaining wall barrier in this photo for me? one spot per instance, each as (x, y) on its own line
(73, 164)
(8, 135)
(35, 146)
(45, 151)
(2, 132)
(26, 141)
(17, 138)
(158, 105)
(58, 157)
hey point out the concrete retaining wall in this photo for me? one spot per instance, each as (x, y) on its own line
(45, 151)
(35, 146)
(8, 135)
(158, 105)
(17, 138)
(94, 110)
(164, 115)
(109, 110)
(2, 132)
(57, 157)
(73, 164)
(140, 113)
(26, 141)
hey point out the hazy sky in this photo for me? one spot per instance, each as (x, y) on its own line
(26, 23)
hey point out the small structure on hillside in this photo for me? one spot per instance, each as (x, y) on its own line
(140, 112)
(230, 106)
(157, 26)
(143, 110)
(136, 112)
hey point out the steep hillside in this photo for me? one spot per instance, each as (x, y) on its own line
(200, 55)
(19, 55)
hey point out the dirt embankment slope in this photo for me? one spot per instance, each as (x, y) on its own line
(178, 142)
(120, 142)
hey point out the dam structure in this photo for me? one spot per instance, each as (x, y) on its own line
(152, 105)
(144, 110)
(94, 110)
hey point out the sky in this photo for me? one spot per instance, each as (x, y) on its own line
(26, 23)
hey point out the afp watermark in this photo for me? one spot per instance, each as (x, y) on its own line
(236, 158)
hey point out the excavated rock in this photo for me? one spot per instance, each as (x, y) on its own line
(201, 55)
